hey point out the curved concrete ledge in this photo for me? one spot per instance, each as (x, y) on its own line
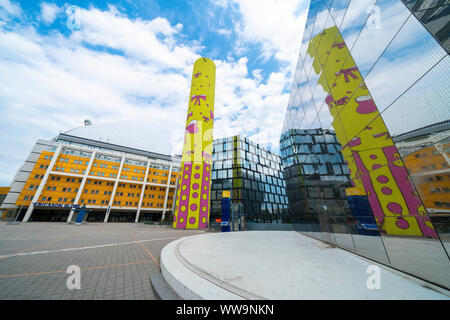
(276, 265)
(186, 283)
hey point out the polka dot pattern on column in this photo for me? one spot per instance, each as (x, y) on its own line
(204, 199)
(184, 197)
(382, 179)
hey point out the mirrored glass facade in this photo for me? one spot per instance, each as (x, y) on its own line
(435, 16)
(365, 141)
(254, 178)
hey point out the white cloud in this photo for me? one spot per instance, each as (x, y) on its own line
(49, 12)
(274, 24)
(8, 9)
(55, 82)
(224, 32)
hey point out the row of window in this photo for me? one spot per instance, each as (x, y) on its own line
(219, 146)
(434, 153)
(153, 196)
(59, 199)
(442, 204)
(438, 190)
(444, 165)
(243, 173)
(50, 188)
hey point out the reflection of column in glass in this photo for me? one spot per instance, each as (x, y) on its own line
(192, 204)
(373, 160)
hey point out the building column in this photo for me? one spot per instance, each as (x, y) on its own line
(83, 182)
(119, 173)
(42, 184)
(175, 194)
(142, 193)
(167, 193)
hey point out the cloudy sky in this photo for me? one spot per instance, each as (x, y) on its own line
(127, 64)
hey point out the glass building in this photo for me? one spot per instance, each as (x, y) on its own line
(314, 171)
(365, 141)
(254, 178)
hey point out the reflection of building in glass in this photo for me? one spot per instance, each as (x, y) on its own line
(314, 169)
(368, 75)
(426, 153)
(254, 177)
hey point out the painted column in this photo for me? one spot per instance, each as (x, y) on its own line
(142, 193)
(192, 204)
(83, 183)
(110, 203)
(167, 193)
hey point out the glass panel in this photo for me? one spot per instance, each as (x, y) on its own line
(378, 32)
(338, 9)
(442, 226)
(302, 83)
(354, 20)
(325, 117)
(304, 45)
(309, 109)
(309, 58)
(326, 225)
(403, 63)
(437, 22)
(427, 4)
(424, 104)
(342, 233)
(321, 18)
(423, 257)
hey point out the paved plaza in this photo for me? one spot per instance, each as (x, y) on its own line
(115, 259)
(281, 265)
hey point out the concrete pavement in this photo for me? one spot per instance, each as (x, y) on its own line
(278, 265)
(116, 260)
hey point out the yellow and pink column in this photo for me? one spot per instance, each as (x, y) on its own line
(194, 184)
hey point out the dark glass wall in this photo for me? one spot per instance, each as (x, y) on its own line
(372, 76)
(435, 16)
(254, 177)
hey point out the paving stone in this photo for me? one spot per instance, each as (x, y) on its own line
(107, 272)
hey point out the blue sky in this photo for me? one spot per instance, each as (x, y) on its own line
(129, 64)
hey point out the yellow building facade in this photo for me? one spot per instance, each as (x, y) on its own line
(114, 183)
